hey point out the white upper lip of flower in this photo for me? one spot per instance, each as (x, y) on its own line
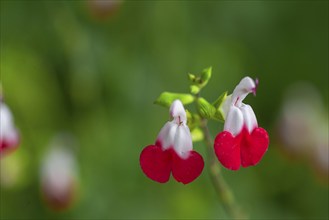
(58, 169)
(237, 113)
(176, 134)
(7, 129)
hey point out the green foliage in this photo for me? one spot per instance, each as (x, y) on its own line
(205, 109)
(208, 111)
(194, 89)
(219, 101)
(218, 105)
(166, 98)
(193, 120)
(199, 82)
(197, 134)
(205, 76)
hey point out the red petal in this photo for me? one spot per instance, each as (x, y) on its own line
(227, 149)
(254, 146)
(59, 201)
(7, 147)
(187, 170)
(156, 163)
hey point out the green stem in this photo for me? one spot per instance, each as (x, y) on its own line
(224, 193)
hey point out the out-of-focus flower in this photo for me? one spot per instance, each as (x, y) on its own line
(303, 126)
(242, 142)
(173, 151)
(103, 9)
(9, 137)
(59, 180)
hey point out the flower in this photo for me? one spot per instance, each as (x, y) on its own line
(9, 137)
(104, 9)
(242, 142)
(59, 179)
(302, 127)
(173, 151)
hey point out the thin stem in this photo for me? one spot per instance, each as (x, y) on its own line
(222, 189)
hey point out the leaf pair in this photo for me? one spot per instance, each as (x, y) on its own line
(198, 82)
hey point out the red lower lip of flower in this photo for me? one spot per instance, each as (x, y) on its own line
(245, 149)
(59, 201)
(157, 164)
(7, 147)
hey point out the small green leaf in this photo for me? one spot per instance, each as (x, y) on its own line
(205, 76)
(191, 77)
(218, 103)
(197, 134)
(218, 116)
(198, 82)
(193, 120)
(166, 98)
(190, 121)
(194, 89)
(206, 110)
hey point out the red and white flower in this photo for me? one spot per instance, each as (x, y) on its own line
(172, 151)
(9, 137)
(59, 179)
(242, 142)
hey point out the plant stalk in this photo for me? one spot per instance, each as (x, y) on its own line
(224, 193)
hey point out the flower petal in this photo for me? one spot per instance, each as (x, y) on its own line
(187, 170)
(10, 142)
(249, 118)
(156, 163)
(9, 136)
(166, 136)
(246, 86)
(253, 146)
(227, 149)
(177, 111)
(183, 141)
(234, 121)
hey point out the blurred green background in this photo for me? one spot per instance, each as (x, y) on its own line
(94, 69)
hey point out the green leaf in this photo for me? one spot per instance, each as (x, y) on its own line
(194, 89)
(197, 134)
(206, 110)
(198, 82)
(219, 116)
(218, 103)
(205, 76)
(191, 77)
(193, 120)
(166, 98)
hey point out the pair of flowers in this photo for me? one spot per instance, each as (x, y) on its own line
(59, 180)
(241, 143)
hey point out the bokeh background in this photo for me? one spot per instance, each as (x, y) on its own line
(94, 68)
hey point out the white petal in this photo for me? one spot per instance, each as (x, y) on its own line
(6, 121)
(249, 117)
(12, 138)
(58, 169)
(234, 121)
(183, 141)
(177, 111)
(246, 86)
(166, 135)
